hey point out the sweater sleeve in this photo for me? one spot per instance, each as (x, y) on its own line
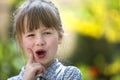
(72, 73)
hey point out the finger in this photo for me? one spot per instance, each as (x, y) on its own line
(31, 57)
(39, 69)
(43, 71)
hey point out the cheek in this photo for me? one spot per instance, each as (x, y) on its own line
(27, 44)
(53, 42)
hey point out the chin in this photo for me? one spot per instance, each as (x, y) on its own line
(41, 61)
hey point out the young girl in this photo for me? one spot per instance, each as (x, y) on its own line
(38, 30)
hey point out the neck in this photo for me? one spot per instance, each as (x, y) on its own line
(49, 64)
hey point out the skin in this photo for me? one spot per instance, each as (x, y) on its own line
(41, 39)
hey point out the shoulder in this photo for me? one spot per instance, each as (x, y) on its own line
(72, 73)
(18, 77)
(15, 78)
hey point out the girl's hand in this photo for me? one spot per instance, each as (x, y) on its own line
(32, 68)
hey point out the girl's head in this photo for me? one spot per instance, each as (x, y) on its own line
(38, 29)
(36, 12)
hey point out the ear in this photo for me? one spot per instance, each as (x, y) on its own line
(60, 37)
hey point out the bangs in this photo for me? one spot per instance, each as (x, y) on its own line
(38, 14)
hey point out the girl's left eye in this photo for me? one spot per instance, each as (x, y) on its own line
(47, 33)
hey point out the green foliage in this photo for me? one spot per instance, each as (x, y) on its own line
(10, 60)
(97, 59)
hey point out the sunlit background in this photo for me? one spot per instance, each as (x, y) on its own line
(91, 41)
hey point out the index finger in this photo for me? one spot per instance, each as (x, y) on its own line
(31, 57)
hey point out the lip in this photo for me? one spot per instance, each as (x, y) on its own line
(40, 53)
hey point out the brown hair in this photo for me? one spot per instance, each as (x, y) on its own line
(36, 11)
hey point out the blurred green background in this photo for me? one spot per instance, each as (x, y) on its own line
(92, 38)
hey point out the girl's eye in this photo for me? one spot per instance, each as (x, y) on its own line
(30, 35)
(47, 33)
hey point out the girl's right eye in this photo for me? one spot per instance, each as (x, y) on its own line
(30, 35)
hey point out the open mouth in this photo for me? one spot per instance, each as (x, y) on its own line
(40, 53)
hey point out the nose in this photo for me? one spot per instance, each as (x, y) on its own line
(40, 41)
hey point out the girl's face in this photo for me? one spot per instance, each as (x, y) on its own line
(42, 43)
